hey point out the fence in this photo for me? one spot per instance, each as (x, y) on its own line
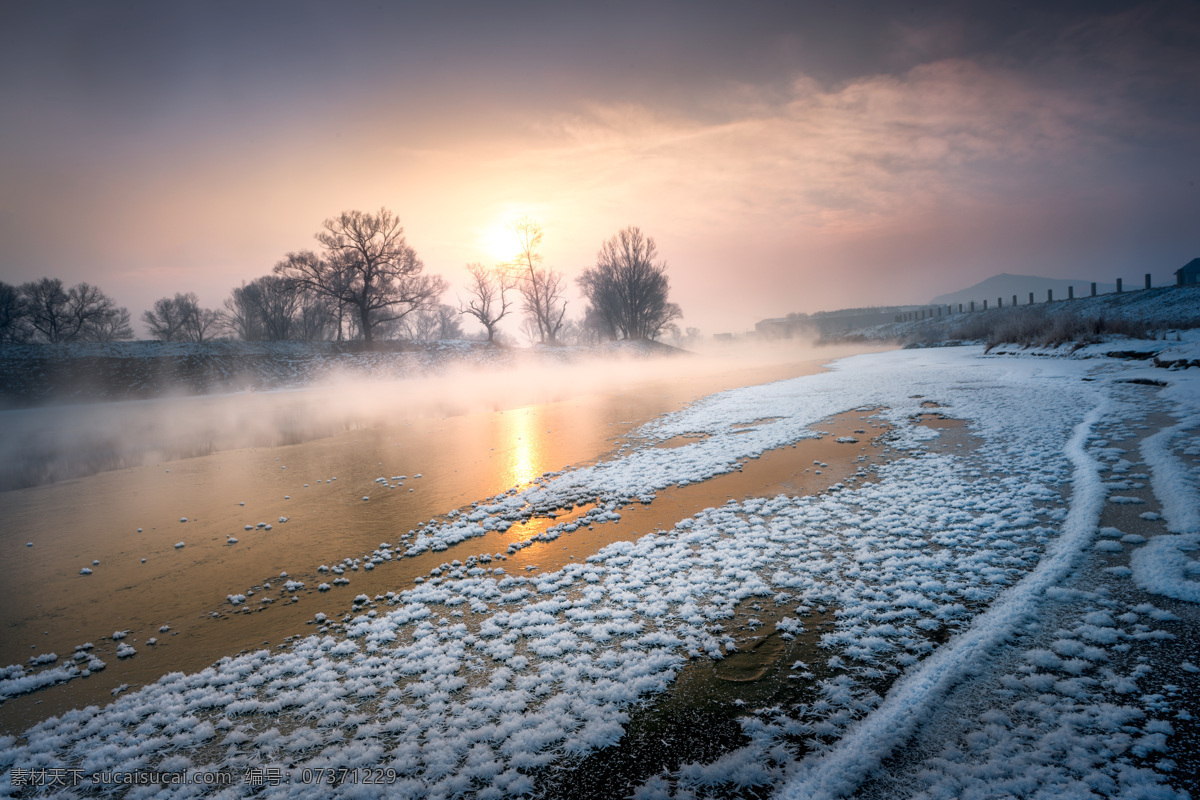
(933, 312)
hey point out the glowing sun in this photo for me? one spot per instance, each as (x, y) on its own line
(498, 242)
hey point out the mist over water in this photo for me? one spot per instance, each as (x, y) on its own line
(59, 442)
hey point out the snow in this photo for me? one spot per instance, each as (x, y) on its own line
(476, 681)
(862, 749)
(1166, 565)
(1162, 567)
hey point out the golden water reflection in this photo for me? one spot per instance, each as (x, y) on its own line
(525, 448)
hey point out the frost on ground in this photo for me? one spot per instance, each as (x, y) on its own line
(480, 683)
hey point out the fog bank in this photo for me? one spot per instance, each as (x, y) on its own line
(54, 443)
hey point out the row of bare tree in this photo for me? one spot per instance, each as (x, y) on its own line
(46, 311)
(365, 282)
(626, 291)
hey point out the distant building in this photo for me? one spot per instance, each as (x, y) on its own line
(1189, 273)
(784, 327)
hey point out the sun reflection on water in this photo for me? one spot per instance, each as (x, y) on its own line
(525, 449)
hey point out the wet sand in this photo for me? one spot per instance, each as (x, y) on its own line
(49, 607)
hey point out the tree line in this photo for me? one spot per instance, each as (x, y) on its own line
(45, 310)
(365, 282)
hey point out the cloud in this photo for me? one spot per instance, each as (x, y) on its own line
(842, 159)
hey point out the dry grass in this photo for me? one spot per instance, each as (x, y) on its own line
(1035, 327)
(1038, 329)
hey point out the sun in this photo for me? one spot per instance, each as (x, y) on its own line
(498, 242)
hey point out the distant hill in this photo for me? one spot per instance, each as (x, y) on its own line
(1005, 286)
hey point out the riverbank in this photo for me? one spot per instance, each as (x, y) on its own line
(1020, 579)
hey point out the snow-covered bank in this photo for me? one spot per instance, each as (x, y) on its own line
(482, 683)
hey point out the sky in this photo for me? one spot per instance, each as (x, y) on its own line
(786, 156)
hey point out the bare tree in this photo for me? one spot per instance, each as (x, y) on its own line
(320, 309)
(541, 289)
(279, 300)
(628, 288)
(111, 324)
(264, 309)
(98, 316)
(181, 319)
(14, 316)
(571, 332)
(60, 315)
(368, 266)
(422, 324)
(48, 308)
(488, 300)
(316, 317)
(530, 331)
(202, 325)
(685, 339)
(241, 315)
(433, 323)
(86, 305)
(83, 313)
(449, 325)
(166, 318)
(596, 327)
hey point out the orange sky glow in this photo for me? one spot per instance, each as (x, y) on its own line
(769, 190)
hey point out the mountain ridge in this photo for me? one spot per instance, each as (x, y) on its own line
(1005, 285)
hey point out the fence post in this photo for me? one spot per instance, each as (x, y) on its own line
(1093, 288)
(972, 305)
(1049, 295)
(960, 308)
(1031, 298)
(1014, 300)
(1070, 292)
(1147, 280)
(1118, 285)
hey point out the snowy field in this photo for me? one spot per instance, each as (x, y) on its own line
(978, 626)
